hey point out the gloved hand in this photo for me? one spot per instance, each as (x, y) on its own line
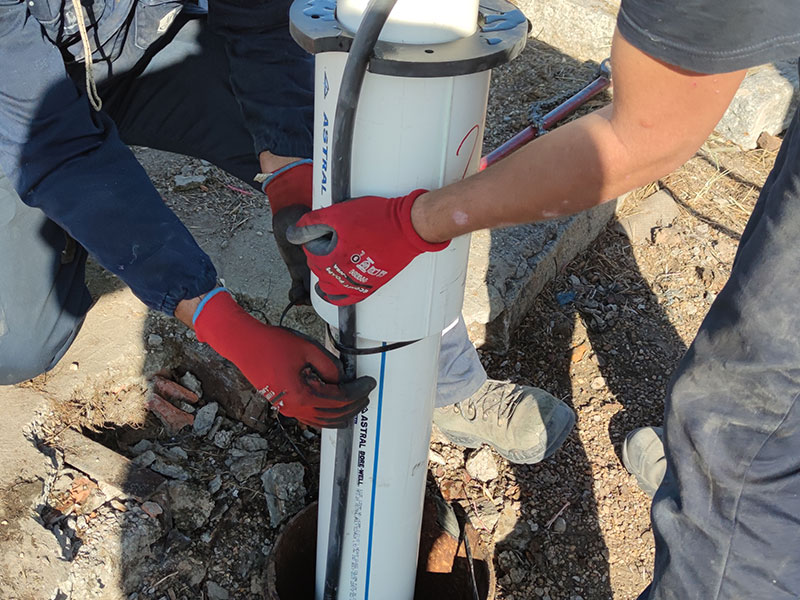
(289, 193)
(293, 372)
(357, 246)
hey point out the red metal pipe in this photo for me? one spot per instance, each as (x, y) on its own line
(560, 112)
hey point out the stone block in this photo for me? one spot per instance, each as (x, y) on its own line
(766, 101)
(581, 29)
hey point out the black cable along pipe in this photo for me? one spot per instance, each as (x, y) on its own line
(375, 16)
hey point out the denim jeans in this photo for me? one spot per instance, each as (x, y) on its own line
(727, 515)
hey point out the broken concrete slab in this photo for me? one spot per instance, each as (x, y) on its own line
(509, 267)
(30, 568)
(117, 475)
(25, 480)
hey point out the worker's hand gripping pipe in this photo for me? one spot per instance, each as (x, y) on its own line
(375, 16)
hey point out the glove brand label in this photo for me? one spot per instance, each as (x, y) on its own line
(357, 276)
(345, 281)
(368, 266)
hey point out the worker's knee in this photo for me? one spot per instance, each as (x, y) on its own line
(24, 356)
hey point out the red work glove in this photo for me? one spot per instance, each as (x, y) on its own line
(357, 246)
(289, 192)
(293, 372)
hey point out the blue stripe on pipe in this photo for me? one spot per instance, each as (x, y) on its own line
(375, 472)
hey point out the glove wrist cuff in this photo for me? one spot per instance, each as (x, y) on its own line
(205, 301)
(407, 226)
(289, 185)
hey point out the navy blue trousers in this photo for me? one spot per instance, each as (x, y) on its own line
(178, 98)
(727, 515)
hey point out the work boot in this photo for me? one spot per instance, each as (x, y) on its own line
(643, 456)
(524, 424)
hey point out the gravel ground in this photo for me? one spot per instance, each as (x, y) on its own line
(604, 336)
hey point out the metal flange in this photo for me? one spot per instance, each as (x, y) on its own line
(500, 37)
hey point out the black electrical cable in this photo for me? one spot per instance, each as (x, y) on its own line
(375, 16)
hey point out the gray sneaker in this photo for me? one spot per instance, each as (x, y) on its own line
(643, 456)
(524, 424)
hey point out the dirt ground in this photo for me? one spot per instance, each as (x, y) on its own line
(604, 335)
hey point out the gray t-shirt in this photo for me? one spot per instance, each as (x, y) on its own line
(713, 36)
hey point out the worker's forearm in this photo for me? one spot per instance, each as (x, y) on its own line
(661, 114)
(575, 167)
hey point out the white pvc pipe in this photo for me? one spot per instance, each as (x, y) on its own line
(409, 133)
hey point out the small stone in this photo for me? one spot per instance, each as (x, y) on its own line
(189, 381)
(657, 210)
(223, 438)
(481, 465)
(193, 570)
(167, 470)
(191, 505)
(215, 592)
(666, 236)
(251, 442)
(154, 340)
(214, 428)
(74, 366)
(206, 537)
(172, 452)
(204, 419)
(452, 489)
(247, 466)
(142, 446)
(215, 484)
(436, 458)
(184, 183)
(284, 490)
(485, 516)
(186, 407)
(152, 509)
(559, 525)
(145, 459)
(118, 506)
(517, 575)
(512, 531)
(598, 383)
(769, 142)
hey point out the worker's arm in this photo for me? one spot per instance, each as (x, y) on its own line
(659, 117)
(69, 162)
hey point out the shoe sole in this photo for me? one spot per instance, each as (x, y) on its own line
(520, 457)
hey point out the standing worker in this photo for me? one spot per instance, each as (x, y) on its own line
(725, 517)
(80, 80)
